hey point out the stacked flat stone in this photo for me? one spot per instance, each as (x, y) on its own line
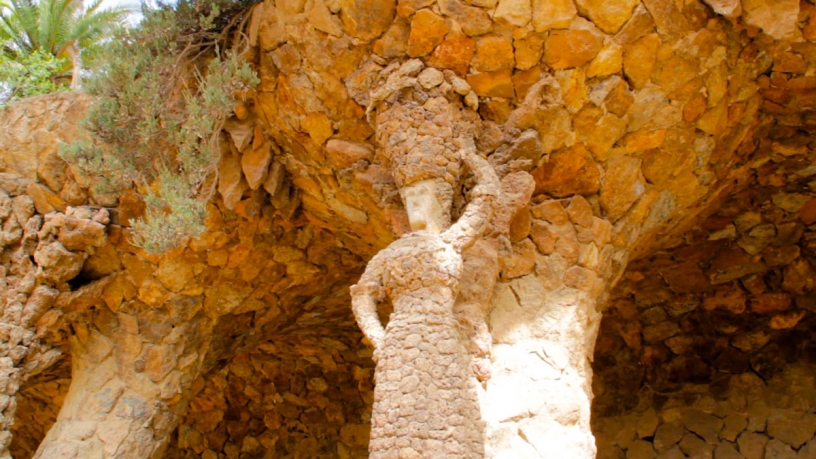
(39, 254)
(277, 401)
(708, 348)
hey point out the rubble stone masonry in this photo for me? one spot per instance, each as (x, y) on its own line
(643, 289)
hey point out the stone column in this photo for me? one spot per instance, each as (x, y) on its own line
(40, 251)
(544, 321)
(131, 381)
(9, 385)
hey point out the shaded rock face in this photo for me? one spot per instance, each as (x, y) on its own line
(38, 404)
(141, 330)
(304, 395)
(49, 251)
(645, 126)
(707, 349)
(748, 418)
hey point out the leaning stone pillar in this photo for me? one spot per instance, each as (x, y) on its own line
(544, 320)
(39, 253)
(131, 381)
(9, 385)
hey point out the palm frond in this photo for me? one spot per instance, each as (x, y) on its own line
(92, 27)
(27, 20)
(17, 36)
(56, 26)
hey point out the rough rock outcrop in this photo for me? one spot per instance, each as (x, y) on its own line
(637, 121)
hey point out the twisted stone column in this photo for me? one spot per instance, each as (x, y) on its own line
(425, 400)
(41, 251)
(544, 321)
(537, 404)
(129, 385)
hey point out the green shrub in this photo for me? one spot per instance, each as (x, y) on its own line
(30, 75)
(71, 30)
(160, 108)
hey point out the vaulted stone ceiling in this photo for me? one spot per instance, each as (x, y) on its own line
(684, 124)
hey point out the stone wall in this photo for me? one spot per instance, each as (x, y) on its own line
(301, 396)
(748, 418)
(710, 347)
(49, 250)
(116, 309)
(38, 404)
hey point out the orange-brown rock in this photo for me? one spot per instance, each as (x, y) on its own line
(552, 14)
(492, 84)
(543, 238)
(608, 61)
(523, 81)
(454, 53)
(600, 132)
(517, 13)
(674, 72)
(343, 154)
(808, 212)
(639, 60)
(570, 48)
(406, 8)
(569, 171)
(669, 20)
(231, 182)
(493, 53)
(529, 47)
(727, 8)
(621, 186)
(609, 16)
(318, 126)
(695, 107)
(367, 19)
(394, 42)
(769, 303)
(732, 300)
(427, 31)
(790, 63)
(641, 141)
(321, 17)
(776, 18)
(473, 20)
(787, 320)
(640, 24)
(665, 154)
(45, 200)
(619, 99)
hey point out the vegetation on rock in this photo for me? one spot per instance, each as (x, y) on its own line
(161, 102)
(32, 75)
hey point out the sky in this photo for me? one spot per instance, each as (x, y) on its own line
(135, 16)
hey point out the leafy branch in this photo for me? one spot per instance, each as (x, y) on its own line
(162, 102)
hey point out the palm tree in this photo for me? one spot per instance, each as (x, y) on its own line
(62, 28)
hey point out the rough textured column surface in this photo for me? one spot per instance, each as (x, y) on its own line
(106, 416)
(544, 319)
(128, 390)
(425, 402)
(537, 404)
(425, 399)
